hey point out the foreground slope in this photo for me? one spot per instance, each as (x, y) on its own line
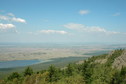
(103, 69)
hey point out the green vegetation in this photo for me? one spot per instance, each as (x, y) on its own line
(119, 77)
(13, 76)
(69, 70)
(59, 62)
(28, 71)
(114, 55)
(53, 74)
(91, 71)
(96, 52)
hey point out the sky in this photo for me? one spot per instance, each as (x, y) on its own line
(69, 21)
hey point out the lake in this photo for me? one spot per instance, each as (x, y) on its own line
(19, 63)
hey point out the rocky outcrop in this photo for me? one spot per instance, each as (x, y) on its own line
(120, 61)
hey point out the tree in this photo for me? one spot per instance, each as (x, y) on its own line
(123, 75)
(69, 70)
(119, 77)
(53, 74)
(28, 71)
(123, 71)
(87, 70)
(13, 76)
(116, 79)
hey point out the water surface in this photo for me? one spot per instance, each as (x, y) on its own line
(18, 63)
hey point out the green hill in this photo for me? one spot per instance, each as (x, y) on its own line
(103, 69)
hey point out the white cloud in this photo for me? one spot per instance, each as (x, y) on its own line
(9, 28)
(6, 26)
(84, 12)
(18, 20)
(4, 17)
(52, 32)
(11, 17)
(47, 32)
(116, 14)
(84, 28)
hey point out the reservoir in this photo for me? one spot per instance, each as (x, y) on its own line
(19, 63)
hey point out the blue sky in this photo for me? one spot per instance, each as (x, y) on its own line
(63, 21)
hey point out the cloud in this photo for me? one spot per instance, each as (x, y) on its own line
(18, 20)
(84, 12)
(84, 28)
(116, 14)
(9, 27)
(6, 26)
(48, 32)
(52, 32)
(4, 17)
(11, 17)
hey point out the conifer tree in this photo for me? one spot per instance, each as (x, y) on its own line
(13, 76)
(28, 71)
(53, 74)
(69, 70)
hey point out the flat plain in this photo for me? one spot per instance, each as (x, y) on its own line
(43, 52)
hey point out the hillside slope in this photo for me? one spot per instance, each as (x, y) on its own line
(103, 69)
(117, 57)
(120, 61)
